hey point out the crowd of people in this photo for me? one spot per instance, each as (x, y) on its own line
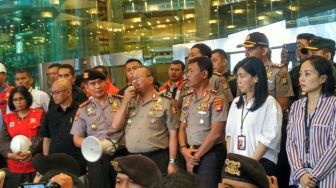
(258, 126)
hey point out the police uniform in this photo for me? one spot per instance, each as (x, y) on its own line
(147, 127)
(279, 82)
(219, 83)
(198, 115)
(93, 119)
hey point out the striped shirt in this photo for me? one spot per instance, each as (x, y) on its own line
(322, 142)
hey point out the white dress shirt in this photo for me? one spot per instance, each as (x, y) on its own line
(260, 126)
(40, 99)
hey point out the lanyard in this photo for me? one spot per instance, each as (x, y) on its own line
(242, 119)
(308, 121)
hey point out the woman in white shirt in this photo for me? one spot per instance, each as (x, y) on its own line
(253, 126)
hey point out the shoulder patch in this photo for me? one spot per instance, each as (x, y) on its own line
(84, 103)
(215, 92)
(217, 73)
(188, 93)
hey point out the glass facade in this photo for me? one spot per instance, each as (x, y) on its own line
(38, 31)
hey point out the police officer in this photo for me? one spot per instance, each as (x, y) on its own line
(151, 121)
(279, 83)
(94, 118)
(204, 112)
(217, 80)
(221, 69)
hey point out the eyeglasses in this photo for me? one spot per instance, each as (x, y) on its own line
(57, 92)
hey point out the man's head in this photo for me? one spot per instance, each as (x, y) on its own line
(321, 47)
(256, 44)
(3, 74)
(143, 79)
(67, 72)
(103, 69)
(199, 50)
(130, 66)
(242, 171)
(135, 171)
(52, 73)
(303, 40)
(176, 70)
(200, 70)
(96, 84)
(23, 78)
(219, 60)
(61, 91)
(53, 164)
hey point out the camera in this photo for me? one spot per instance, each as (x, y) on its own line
(40, 185)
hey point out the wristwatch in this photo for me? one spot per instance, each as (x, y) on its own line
(172, 161)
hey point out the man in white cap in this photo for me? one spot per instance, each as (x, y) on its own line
(4, 89)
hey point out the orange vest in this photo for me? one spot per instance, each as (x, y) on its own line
(4, 95)
(27, 127)
(110, 88)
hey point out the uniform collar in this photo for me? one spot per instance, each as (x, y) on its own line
(205, 95)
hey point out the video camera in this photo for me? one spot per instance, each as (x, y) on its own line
(40, 185)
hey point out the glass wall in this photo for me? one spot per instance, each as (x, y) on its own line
(38, 31)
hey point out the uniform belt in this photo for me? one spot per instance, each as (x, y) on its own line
(153, 152)
(198, 146)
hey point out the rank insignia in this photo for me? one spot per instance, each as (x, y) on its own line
(269, 74)
(232, 167)
(157, 107)
(115, 107)
(206, 98)
(283, 81)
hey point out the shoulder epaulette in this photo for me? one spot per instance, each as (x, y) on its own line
(217, 73)
(84, 103)
(278, 65)
(188, 93)
(118, 96)
(215, 92)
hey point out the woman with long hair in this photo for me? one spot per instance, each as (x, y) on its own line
(21, 121)
(311, 137)
(253, 128)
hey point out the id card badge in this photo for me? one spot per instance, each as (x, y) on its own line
(241, 142)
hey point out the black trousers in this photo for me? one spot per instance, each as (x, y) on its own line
(210, 167)
(101, 173)
(160, 157)
(269, 166)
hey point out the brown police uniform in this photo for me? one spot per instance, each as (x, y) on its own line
(219, 83)
(147, 127)
(279, 82)
(92, 119)
(199, 114)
